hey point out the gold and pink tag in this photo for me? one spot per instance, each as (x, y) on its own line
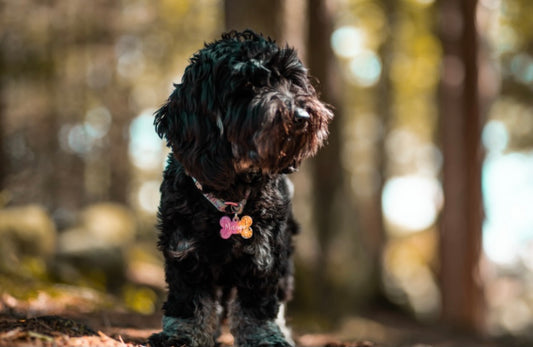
(236, 226)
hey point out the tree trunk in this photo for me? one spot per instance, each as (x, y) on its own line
(263, 16)
(327, 177)
(461, 123)
(371, 211)
(3, 155)
(119, 163)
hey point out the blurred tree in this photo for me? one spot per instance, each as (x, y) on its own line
(46, 134)
(65, 190)
(263, 16)
(281, 20)
(374, 229)
(517, 77)
(119, 162)
(30, 132)
(327, 174)
(3, 155)
(460, 132)
(107, 89)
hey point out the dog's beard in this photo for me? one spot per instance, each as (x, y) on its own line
(281, 131)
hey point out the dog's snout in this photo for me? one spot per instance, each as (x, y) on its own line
(301, 114)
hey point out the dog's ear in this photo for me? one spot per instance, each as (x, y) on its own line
(167, 118)
(161, 122)
(191, 129)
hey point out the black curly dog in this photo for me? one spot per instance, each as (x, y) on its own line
(244, 115)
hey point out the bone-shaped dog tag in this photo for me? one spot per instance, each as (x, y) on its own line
(245, 227)
(236, 226)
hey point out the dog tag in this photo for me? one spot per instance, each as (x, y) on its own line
(228, 227)
(245, 225)
(236, 226)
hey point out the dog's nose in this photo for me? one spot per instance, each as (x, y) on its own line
(301, 114)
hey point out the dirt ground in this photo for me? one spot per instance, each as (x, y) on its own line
(45, 322)
(130, 330)
(108, 330)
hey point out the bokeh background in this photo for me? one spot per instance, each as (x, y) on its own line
(421, 203)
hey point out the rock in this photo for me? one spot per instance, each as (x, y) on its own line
(102, 226)
(93, 252)
(26, 231)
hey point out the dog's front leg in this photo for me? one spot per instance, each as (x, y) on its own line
(253, 318)
(190, 318)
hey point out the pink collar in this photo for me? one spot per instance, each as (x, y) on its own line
(228, 207)
(230, 226)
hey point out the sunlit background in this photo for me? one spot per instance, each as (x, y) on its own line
(81, 162)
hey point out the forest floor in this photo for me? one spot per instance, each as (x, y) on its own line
(77, 317)
(126, 329)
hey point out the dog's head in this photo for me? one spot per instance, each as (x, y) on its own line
(244, 105)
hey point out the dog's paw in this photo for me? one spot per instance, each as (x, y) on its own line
(163, 340)
(180, 332)
(262, 335)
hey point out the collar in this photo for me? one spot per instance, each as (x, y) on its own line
(228, 207)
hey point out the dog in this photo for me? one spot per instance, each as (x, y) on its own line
(243, 117)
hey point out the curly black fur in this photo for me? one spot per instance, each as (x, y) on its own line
(244, 115)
